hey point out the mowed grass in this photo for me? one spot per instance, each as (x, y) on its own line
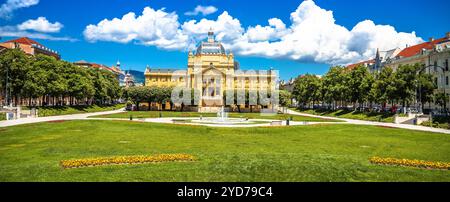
(156, 114)
(301, 153)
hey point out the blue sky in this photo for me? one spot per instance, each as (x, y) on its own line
(424, 18)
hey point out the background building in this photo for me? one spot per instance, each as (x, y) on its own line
(434, 55)
(114, 69)
(29, 46)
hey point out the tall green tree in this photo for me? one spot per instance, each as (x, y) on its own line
(441, 99)
(307, 89)
(285, 98)
(406, 83)
(384, 88)
(335, 86)
(15, 64)
(360, 82)
(427, 86)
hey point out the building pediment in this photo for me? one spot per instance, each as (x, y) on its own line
(212, 71)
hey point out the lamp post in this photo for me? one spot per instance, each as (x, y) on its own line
(442, 81)
(7, 87)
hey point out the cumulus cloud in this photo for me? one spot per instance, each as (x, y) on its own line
(153, 27)
(226, 28)
(204, 10)
(274, 31)
(7, 8)
(37, 29)
(41, 24)
(12, 31)
(312, 35)
(315, 36)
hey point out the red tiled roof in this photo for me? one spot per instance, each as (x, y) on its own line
(416, 49)
(24, 40)
(100, 66)
(352, 66)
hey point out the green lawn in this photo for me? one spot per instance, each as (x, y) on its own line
(156, 114)
(2, 116)
(301, 153)
(66, 110)
(367, 116)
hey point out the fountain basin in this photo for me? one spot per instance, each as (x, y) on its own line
(228, 121)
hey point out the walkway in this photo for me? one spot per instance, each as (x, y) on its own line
(56, 118)
(374, 123)
(169, 120)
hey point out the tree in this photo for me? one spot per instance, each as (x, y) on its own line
(285, 98)
(35, 82)
(366, 89)
(54, 81)
(307, 89)
(359, 84)
(16, 64)
(441, 99)
(335, 86)
(426, 88)
(152, 94)
(405, 81)
(384, 88)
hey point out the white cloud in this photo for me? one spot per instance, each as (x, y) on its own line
(312, 35)
(36, 29)
(7, 8)
(204, 10)
(41, 24)
(153, 27)
(366, 37)
(12, 31)
(226, 28)
(315, 36)
(274, 31)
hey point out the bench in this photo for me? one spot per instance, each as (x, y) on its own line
(276, 123)
(180, 120)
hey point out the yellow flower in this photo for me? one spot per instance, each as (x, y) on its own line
(77, 163)
(410, 162)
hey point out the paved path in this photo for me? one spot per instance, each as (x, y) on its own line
(56, 118)
(169, 120)
(374, 123)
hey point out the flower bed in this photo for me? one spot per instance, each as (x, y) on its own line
(78, 163)
(410, 163)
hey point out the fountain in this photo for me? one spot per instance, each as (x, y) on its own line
(222, 115)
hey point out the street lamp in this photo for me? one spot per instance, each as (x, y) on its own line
(442, 81)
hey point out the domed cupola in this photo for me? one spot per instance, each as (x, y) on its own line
(210, 46)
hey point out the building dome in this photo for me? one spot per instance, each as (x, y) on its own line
(210, 47)
(206, 48)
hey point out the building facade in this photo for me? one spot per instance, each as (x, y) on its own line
(29, 46)
(213, 72)
(433, 55)
(113, 69)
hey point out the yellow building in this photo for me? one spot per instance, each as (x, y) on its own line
(213, 71)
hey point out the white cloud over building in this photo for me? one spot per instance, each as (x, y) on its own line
(41, 24)
(312, 35)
